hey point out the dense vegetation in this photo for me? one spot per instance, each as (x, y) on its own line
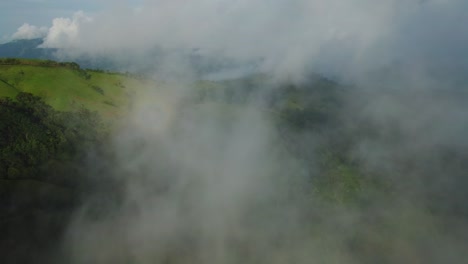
(301, 112)
(50, 127)
(41, 179)
(43, 150)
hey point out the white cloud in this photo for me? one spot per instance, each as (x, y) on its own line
(27, 31)
(291, 36)
(64, 32)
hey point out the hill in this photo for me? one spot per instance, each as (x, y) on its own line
(252, 133)
(25, 48)
(65, 86)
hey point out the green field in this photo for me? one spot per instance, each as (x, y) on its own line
(67, 87)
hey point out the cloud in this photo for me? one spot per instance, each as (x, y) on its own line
(291, 37)
(217, 180)
(27, 31)
(65, 32)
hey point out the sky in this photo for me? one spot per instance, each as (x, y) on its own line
(38, 12)
(289, 36)
(15, 13)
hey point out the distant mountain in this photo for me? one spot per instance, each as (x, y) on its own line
(26, 49)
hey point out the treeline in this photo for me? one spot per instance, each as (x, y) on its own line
(83, 72)
(47, 63)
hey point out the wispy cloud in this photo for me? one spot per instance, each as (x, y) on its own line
(334, 36)
(218, 185)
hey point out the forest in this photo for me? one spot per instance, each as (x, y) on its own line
(55, 164)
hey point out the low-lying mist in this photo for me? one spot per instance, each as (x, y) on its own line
(281, 172)
(327, 132)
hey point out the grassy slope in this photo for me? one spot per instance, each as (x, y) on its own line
(109, 94)
(66, 88)
(7, 90)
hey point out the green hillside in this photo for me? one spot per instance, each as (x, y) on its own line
(7, 90)
(293, 148)
(65, 86)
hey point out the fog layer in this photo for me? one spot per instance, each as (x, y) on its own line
(214, 182)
